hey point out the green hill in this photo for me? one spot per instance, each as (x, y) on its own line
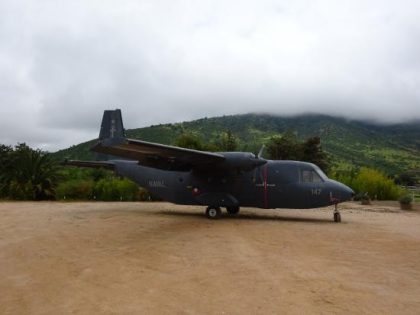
(392, 148)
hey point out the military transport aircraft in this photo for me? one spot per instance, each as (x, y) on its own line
(223, 179)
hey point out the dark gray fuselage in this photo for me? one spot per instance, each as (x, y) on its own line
(276, 184)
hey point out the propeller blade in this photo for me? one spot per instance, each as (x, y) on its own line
(261, 151)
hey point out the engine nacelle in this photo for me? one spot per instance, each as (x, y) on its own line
(244, 161)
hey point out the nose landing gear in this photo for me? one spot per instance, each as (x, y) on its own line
(337, 215)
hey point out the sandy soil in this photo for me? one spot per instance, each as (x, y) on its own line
(158, 258)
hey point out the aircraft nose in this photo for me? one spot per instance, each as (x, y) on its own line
(342, 191)
(350, 192)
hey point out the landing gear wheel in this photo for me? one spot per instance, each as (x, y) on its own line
(232, 210)
(213, 212)
(337, 217)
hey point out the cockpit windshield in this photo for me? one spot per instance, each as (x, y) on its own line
(320, 173)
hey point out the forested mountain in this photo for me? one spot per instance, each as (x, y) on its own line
(392, 148)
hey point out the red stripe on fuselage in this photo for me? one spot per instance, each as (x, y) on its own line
(265, 186)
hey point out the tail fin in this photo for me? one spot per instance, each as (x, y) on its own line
(112, 125)
(112, 132)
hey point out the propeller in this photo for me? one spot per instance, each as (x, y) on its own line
(257, 168)
(261, 151)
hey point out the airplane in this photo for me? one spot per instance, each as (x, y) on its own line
(213, 179)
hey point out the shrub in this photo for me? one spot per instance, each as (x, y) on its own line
(361, 196)
(106, 189)
(144, 195)
(375, 184)
(116, 189)
(406, 199)
(75, 190)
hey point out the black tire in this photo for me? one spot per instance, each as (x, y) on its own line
(213, 213)
(232, 210)
(337, 217)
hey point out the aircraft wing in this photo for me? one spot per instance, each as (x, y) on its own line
(113, 146)
(90, 164)
(157, 155)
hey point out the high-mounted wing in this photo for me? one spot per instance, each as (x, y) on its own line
(113, 144)
(90, 164)
(157, 155)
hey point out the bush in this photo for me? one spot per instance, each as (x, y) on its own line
(406, 199)
(106, 189)
(369, 182)
(75, 190)
(144, 195)
(375, 184)
(116, 189)
(361, 196)
(20, 190)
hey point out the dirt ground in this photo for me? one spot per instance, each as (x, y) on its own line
(158, 258)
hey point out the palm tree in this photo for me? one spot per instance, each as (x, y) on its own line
(5, 152)
(29, 174)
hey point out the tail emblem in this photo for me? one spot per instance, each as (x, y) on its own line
(113, 129)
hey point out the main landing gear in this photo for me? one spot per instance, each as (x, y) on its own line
(337, 215)
(214, 213)
(232, 210)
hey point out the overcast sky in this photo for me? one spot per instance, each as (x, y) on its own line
(63, 62)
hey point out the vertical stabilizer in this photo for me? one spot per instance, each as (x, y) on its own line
(112, 125)
(112, 131)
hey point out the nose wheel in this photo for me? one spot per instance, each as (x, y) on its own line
(213, 212)
(337, 215)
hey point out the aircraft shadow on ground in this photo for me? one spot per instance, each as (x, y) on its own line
(247, 216)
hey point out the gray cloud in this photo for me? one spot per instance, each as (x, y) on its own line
(61, 64)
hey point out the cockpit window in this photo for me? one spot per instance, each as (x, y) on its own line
(310, 176)
(320, 173)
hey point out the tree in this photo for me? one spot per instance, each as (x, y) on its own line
(406, 179)
(288, 147)
(313, 153)
(29, 174)
(284, 147)
(190, 141)
(228, 142)
(5, 157)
